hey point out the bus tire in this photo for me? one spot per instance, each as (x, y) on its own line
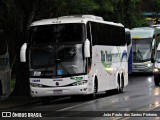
(93, 95)
(156, 81)
(119, 88)
(46, 100)
(118, 85)
(121, 84)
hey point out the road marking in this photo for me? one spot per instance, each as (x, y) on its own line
(76, 105)
(91, 101)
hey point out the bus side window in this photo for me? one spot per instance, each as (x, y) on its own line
(88, 32)
(104, 34)
(94, 30)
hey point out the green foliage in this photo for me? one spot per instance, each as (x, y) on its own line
(156, 5)
(12, 84)
(56, 8)
(81, 6)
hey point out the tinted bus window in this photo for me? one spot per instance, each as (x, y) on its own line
(57, 33)
(104, 34)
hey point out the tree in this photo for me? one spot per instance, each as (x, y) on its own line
(132, 13)
(16, 17)
(26, 10)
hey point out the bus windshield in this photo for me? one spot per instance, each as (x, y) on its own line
(158, 57)
(57, 59)
(141, 49)
(57, 33)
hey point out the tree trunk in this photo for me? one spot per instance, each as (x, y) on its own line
(22, 76)
(22, 71)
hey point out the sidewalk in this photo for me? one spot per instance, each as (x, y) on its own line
(16, 101)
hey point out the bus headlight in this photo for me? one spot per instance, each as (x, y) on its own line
(80, 83)
(35, 85)
(155, 70)
(149, 65)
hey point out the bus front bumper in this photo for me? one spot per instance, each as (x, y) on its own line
(59, 91)
(140, 67)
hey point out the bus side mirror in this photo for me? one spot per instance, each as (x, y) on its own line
(23, 53)
(153, 44)
(87, 48)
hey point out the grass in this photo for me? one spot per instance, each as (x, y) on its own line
(12, 84)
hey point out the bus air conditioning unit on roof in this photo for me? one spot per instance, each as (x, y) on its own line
(92, 17)
(83, 16)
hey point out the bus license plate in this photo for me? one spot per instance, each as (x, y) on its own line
(57, 91)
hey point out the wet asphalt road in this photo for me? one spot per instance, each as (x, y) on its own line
(140, 95)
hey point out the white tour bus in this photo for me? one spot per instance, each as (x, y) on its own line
(75, 55)
(5, 70)
(143, 45)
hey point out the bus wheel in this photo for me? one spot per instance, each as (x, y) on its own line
(46, 100)
(117, 89)
(93, 95)
(121, 84)
(156, 81)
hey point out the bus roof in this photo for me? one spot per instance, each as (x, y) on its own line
(142, 32)
(143, 28)
(73, 19)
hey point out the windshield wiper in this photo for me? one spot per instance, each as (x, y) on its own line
(49, 61)
(139, 53)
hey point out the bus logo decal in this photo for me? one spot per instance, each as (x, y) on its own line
(57, 83)
(124, 55)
